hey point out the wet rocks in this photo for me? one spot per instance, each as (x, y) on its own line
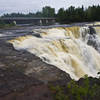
(23, 76)
(16, 86)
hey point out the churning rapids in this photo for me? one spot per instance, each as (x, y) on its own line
(75, 50)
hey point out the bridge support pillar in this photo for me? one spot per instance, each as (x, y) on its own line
(47, 21)
(41, 22)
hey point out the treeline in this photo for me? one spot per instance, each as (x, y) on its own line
(46, 12)
(80, 14)
(69, 15)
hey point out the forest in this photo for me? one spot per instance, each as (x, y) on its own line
(63, 16)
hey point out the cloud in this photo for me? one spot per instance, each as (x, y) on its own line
(25, 6)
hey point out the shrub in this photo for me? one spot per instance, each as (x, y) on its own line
(75, 91)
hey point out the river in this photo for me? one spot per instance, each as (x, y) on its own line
(75, 49)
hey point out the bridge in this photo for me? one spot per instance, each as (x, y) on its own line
(23, 20)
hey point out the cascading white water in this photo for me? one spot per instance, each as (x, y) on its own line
(65, 48)
(90, 37)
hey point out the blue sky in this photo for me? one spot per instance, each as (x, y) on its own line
(25, 6)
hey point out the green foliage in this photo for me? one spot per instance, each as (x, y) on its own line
(48, 12)
(79, 14)
(76, 91)
(3, 25)
(58, 93)
(69, 15)
(61, 15)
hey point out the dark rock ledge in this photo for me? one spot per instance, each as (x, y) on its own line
(23, 76)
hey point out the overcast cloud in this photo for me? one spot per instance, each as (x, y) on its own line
(25, 6)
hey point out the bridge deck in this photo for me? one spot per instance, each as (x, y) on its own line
(23, 18)
(28, 20)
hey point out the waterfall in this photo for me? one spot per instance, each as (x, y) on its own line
(90, 37)
(74, 50)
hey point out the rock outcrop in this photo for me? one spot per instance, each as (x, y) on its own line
(23, 76)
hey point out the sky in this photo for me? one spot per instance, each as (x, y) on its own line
(26, 6)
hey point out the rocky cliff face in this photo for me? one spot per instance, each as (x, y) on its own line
(24, 76)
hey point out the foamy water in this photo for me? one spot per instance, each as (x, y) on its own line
(65, 48)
